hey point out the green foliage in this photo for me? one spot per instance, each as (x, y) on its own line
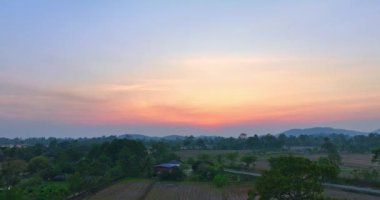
(38, 163)
(12, 194)
(46, 191)
(30, 183)
(161, 152)
(368, 175)
(292, 178)
(252, 194)
(332, 152)
(35, 188)
(220, 180)
(190, 161)
(115, 172)
(11, 171)
(204, 171)
(86, 166)
(76, 182)
(232, 157)
(376, 155)
(41, 166)
(220, 159)
(249, 160)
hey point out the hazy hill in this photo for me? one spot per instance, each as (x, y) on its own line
(322, 131)
(145, 137)
(137, 137)
(376, 131)
(173, 137)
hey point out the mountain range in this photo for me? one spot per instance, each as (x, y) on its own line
(291, 132)
(322, 131)
(145, 137)
(376, 131)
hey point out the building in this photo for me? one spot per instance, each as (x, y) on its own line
(166, 166)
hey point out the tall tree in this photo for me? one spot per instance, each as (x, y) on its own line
(293, 178)
(248, 159)
(232, 157)
(332, 151)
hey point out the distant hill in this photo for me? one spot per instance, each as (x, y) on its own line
(169, 137)
(137, 137)
(376, 131)
(145, 137)
(173, 137)
(322, 131)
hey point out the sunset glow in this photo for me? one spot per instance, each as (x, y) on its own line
(144, 65)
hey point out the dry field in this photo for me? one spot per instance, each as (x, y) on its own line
(144, 190)
(349, 161)
(131, 190)
(348, 195)
(184, 191)
(141, 190)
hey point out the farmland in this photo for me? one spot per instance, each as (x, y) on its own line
(349, 161)
(127, 189)
(147, 190)
(140, 189)
(348, 195)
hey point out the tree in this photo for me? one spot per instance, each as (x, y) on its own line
(232, 157)
(76, 182)
(161, 152)
(200, 143)
(248, 159)
(220, 159)
(332, 152)
(293, 178)
(188, 142)
(11, 171)
(376, 155)
(38, 164)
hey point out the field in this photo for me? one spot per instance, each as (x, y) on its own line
(128, 189)
(349, 195)
(349, 161)
(147, 190)
(184, 191)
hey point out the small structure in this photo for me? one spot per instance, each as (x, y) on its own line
(243, 136)
(158, 169)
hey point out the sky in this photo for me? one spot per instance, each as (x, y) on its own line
(91, 68)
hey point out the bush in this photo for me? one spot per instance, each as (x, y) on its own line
(76, 182)
(220, 180)
(252, 194)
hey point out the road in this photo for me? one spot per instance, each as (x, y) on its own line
(330, 185)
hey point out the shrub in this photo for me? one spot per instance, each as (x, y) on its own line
(220, 180)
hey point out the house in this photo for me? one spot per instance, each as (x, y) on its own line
(243, 136)
(168, 166)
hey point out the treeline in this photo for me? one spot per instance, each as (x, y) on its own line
(63, 168)
(355, 144)
(46, 141)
